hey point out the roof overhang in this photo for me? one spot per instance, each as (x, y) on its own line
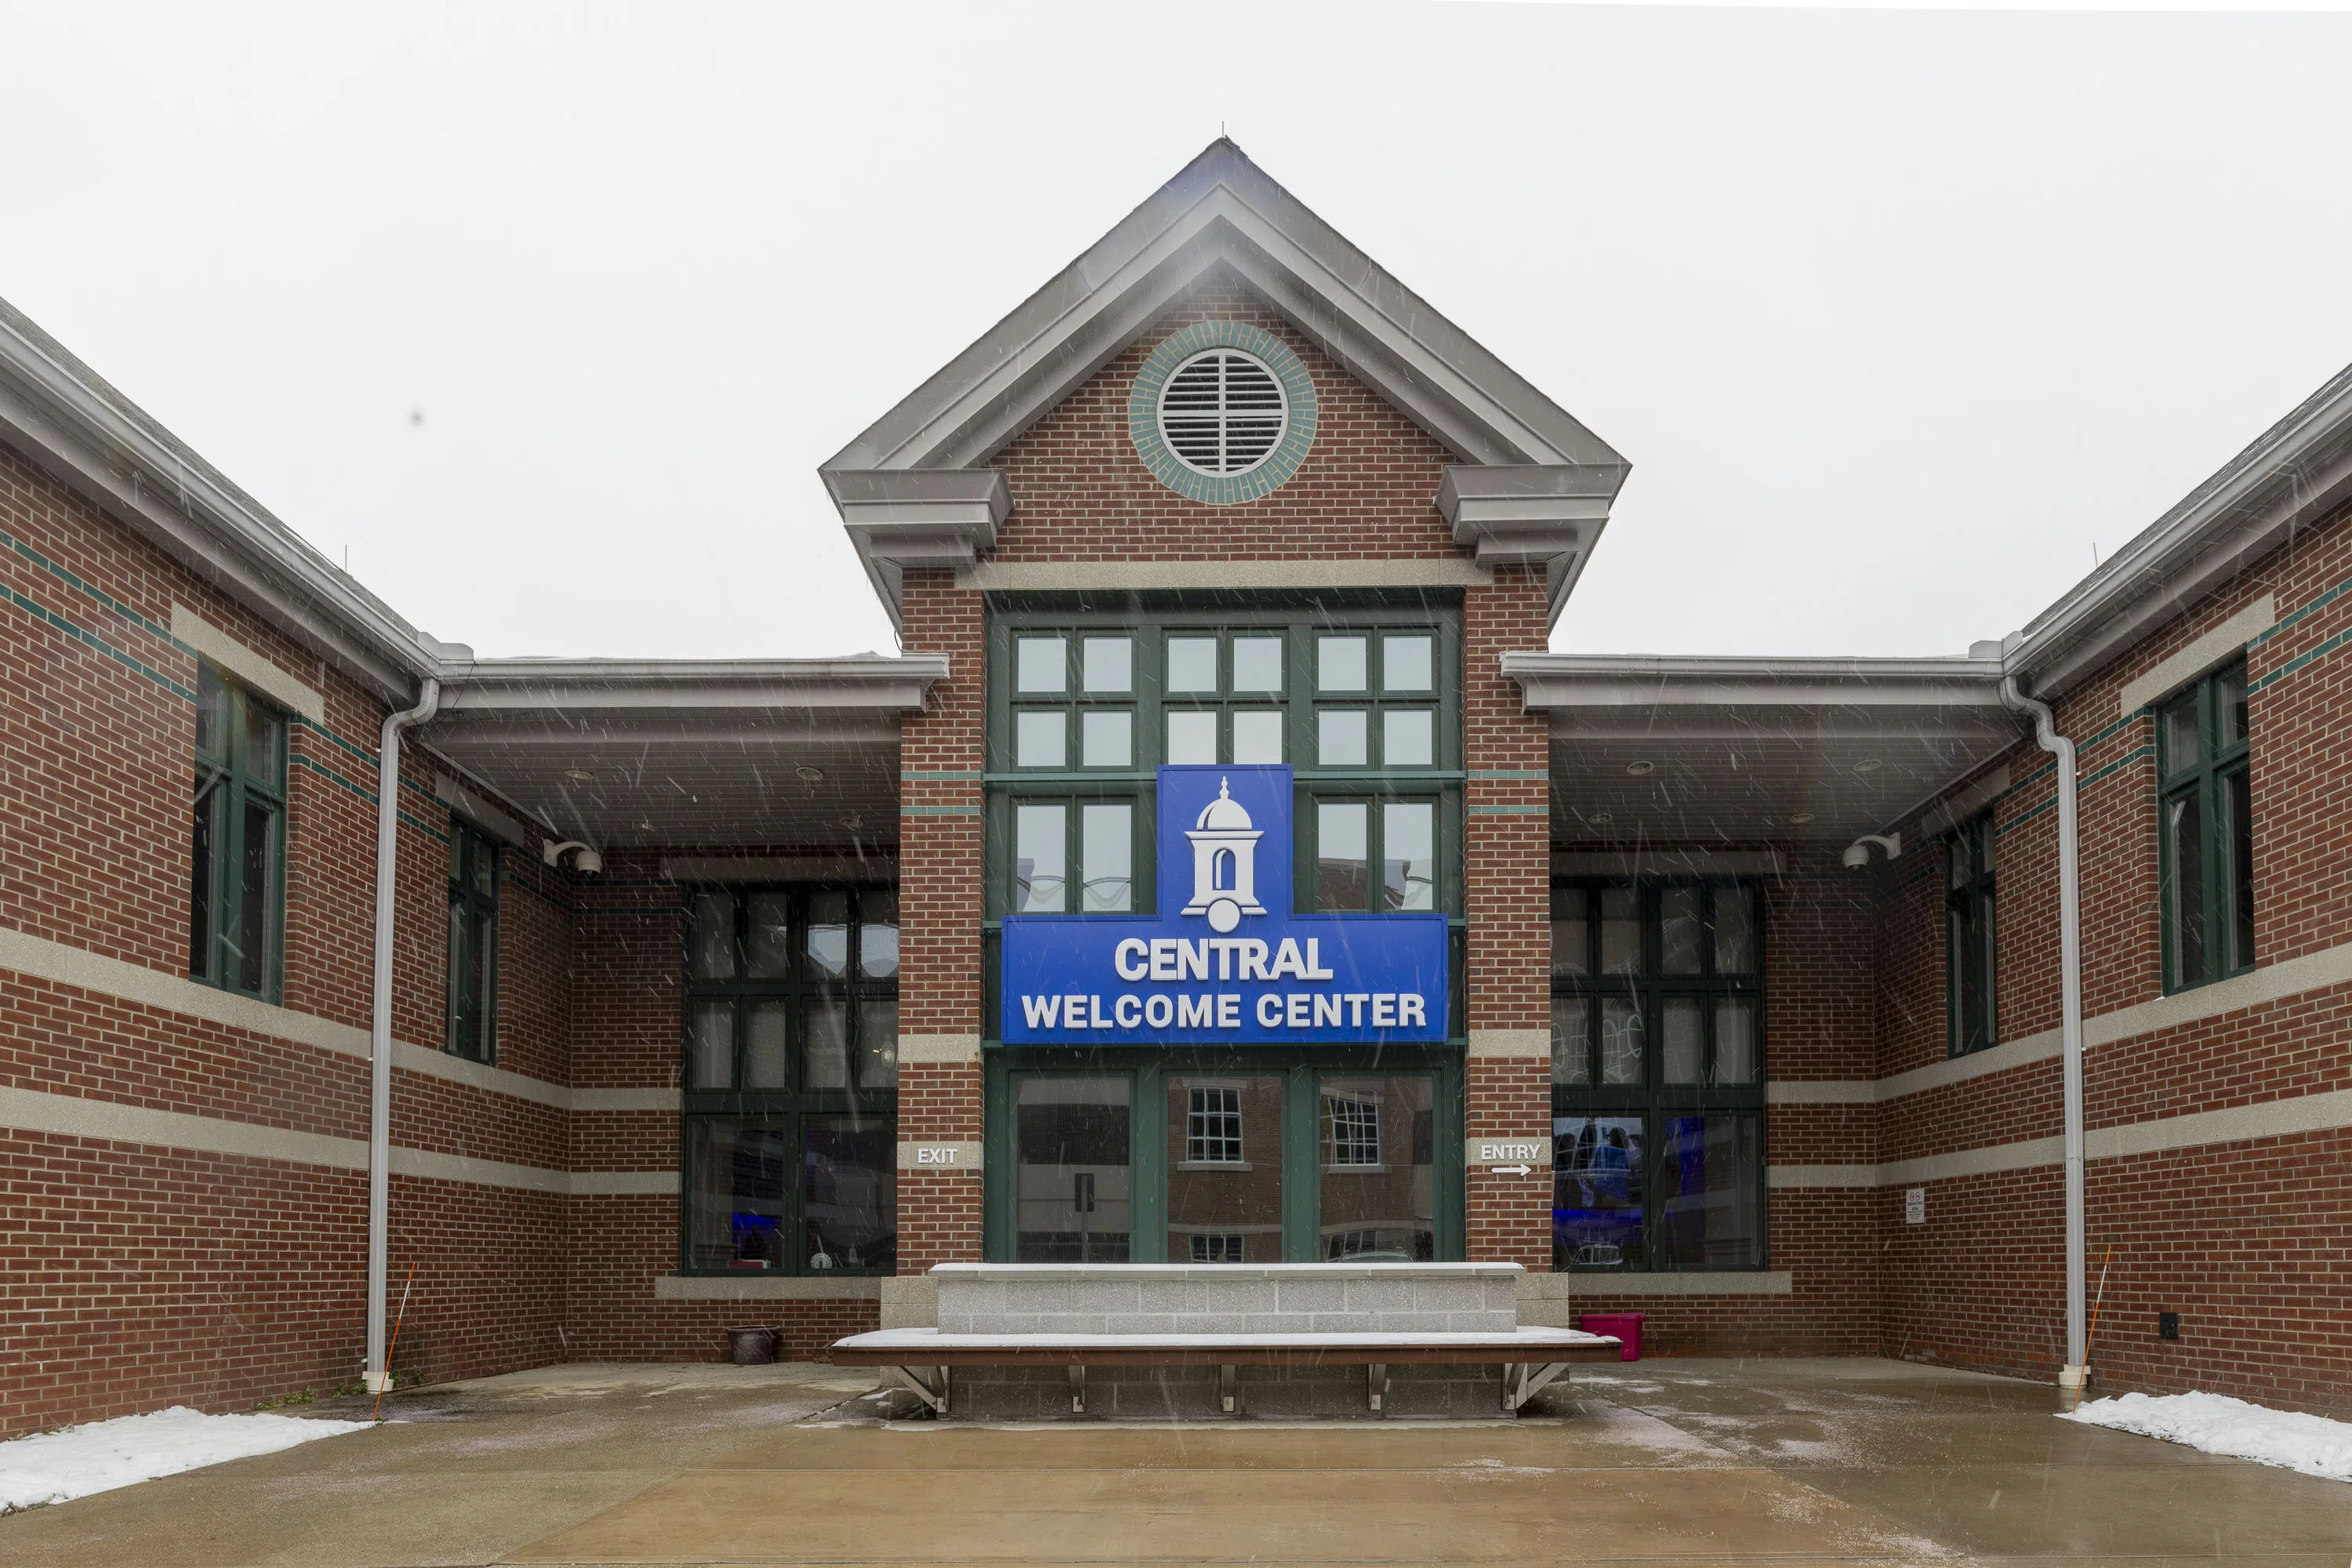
(92, 439)
(1715, 751)
(631, 753)
(2293, 475)
(1221, 210)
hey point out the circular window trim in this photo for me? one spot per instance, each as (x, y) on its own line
(1276, 467)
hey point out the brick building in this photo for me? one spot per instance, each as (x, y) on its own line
(1783, 1000)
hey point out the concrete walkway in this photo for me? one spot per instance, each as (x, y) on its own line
(1797, 1462)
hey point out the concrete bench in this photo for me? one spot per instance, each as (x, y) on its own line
(1301, 1330)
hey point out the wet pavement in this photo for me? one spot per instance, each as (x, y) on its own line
(1793, 1462)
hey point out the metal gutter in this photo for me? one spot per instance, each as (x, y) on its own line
(2070, 1018)
(99, 441)
(387, 867)
(1549, 680)
(897, 684)
(2291, 476)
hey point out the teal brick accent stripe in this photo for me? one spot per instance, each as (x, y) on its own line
(939, 810)
(1507, 810)
(1221, 490)
(2298, 661)
(89, 639)
(2292, 617)
(1540, 775)
(95, 594)
(940, 775)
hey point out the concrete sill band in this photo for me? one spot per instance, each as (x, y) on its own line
(768, 1288)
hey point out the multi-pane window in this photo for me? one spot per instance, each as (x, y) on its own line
(473, 1020)
(1212, 1127)
(791, 1079)
(2206, 843)
(1354, 1130)
(1968, 881)
(1363, 702)
(1657, 1076)
(1074, 857)
(1378, 855)
(238, 862)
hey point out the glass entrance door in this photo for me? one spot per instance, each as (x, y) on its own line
(1072, 1139)
(1257, 1156)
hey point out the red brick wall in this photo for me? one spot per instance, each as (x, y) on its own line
(1367, 488)
(1508, 891)
(141, 1276)
(2245, 1239)
(940, 752)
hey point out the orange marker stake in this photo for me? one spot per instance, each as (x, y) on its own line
(400, 1317)
(2092, 1332)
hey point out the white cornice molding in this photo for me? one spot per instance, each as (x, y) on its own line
(1145, 577)
(1221, 210)
(2292, 474)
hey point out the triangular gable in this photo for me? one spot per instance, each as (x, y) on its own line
(1532, 483)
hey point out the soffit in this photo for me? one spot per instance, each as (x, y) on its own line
(1730, 750)
(721, 753)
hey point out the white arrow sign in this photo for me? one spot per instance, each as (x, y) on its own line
(1511, 1170)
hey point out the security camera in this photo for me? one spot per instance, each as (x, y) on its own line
(1857, 854)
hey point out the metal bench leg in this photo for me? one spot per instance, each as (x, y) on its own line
(1077, 1391)
(1377, 1385)
(908, 1378)
(1533, 1378)
(1228, 1389)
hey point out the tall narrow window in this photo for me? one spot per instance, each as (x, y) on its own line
(1969, 949)
(473, 943)
(2206, 838)
(238, 842)
(791, 1079)
(1657, 1076)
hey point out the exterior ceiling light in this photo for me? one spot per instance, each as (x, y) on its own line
(1601, 819)
(1868, 765)
(1640, 769)
(580, 776)
(809, 774)
(1799, 818)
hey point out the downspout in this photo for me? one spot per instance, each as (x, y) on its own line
(387, 864)
(2070, 1012)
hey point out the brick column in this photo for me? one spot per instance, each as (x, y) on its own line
(1508, 891)
(940, 869)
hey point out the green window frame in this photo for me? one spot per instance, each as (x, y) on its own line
(1658, 1075)
(473, 973)
(788, 1152)
(1971, 949)
(1311, 1081)
(2205, 830)
(1244, 654)
(237, 903)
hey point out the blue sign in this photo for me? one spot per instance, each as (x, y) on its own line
(1225, 961)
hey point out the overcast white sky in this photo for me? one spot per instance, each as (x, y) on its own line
(1899, 316)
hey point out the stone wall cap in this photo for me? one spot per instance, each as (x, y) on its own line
(1227, 1271)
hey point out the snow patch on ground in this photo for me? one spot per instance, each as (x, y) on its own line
(57, 1467)
(2217, 1424)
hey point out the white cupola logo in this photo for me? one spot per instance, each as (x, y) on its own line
(1225, 863)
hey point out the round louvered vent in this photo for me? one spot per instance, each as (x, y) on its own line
(1223, 411)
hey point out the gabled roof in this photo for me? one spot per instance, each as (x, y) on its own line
(1533, 484)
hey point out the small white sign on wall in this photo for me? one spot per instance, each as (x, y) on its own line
(1914, 1205)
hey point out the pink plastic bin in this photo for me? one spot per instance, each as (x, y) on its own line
(1623, 1326)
